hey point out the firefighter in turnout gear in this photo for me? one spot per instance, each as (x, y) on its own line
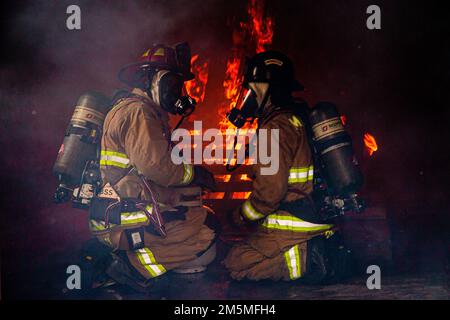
(285, 242)
(140, 212)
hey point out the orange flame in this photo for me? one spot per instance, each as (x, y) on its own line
(260, 30)
(214, 195)
(241, 195)
(232, 81)
(196, 88)
(223, 177)
(370, 143)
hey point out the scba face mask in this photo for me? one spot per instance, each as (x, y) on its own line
(166, 90)
(252, 104)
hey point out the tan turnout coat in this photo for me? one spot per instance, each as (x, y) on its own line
(136, 133)
(278, 250)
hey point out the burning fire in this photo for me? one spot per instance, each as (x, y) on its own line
(232, 81)
(196, 88)
(241, 195)
(260, 27)
(370, 143)
(259, 32)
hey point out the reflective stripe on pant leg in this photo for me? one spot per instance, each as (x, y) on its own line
(293, 262)
(148, 261)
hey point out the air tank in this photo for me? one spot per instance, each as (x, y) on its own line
(82, 138)
(334, 148)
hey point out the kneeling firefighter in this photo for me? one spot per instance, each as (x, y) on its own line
(147, 211)
(288, 242)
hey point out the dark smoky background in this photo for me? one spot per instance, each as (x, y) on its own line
(391, 82)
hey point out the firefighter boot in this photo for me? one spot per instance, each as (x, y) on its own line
(94, 259)
(316, 262)
(124, 273)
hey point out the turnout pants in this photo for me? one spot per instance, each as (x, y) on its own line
(277, 250)
(185, 240)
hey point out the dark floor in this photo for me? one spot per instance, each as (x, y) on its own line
(414, 258)
(47, 281)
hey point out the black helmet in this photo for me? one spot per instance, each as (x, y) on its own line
(272, 67)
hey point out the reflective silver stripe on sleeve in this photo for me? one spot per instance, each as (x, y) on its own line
(113, 158)
(250, 212)
(291, 223)
(301, 174)
(188, 174)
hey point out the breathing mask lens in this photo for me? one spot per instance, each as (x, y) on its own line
(167, 91)
(246, 111)
(170, 88)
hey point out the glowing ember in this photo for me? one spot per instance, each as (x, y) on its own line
(370, 143)
(343, 120)
(196, 88)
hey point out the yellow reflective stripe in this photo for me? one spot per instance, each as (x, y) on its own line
(301, 174)
(113, 163)
(136, 216)
(295, 122)
(126, 218)
(188, 173)
(293, 262)
(310, 172)
(291, 223)
(113, 158)
(113, 153)
(132, 217)
(249, 212)
(95, 225)
(148, 261)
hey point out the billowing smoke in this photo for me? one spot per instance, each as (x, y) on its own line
(377, 78)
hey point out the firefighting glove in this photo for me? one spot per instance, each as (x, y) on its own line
(204, 178)
(236, 219)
